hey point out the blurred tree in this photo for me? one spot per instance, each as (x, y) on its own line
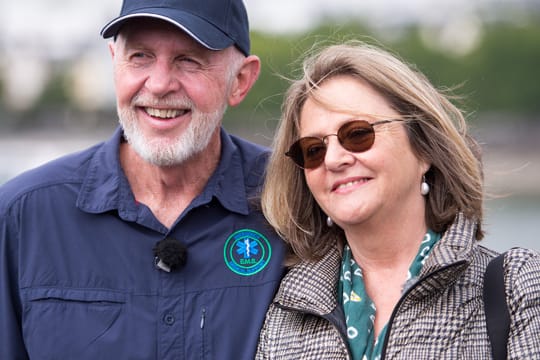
(505, 70)
(498, 75)
(55, 93)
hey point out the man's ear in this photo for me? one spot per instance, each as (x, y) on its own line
(245, 78)
(111, 48)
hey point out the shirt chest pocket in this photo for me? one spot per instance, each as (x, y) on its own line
(70, 323)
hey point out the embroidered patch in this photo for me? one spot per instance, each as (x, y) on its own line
(246, 252)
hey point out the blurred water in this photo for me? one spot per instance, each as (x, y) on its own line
(510, 221)
(19, 152)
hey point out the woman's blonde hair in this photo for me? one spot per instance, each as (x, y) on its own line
(435, 127)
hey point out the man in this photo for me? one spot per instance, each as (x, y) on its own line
(150, 245)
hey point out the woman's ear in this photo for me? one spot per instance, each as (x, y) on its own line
(425, 167)
(245, 78)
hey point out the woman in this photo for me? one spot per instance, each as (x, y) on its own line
(377, 189)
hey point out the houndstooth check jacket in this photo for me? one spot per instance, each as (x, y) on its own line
(440, 316)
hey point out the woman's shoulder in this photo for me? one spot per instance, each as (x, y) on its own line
(522, 267)
(522, 287)
(521, 255)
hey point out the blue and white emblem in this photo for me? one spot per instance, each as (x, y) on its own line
(246, 252)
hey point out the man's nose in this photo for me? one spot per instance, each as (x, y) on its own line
(162, 79)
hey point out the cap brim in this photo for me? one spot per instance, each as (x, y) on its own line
(199, 29)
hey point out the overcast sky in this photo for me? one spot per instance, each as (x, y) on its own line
(286, 15)
(64, 27)
(61, 21)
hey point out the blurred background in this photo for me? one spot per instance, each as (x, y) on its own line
(57, 95)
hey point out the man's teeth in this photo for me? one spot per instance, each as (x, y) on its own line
(164, 113)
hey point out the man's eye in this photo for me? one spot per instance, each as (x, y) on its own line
(188, 62)
(138, 57)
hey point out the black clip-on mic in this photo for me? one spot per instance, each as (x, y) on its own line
(169, 254)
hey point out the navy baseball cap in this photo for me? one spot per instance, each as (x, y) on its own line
(215, 24)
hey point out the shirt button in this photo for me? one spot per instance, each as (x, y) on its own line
(169, 319)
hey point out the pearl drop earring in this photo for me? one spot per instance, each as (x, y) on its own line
(329, 222)
(424, 187)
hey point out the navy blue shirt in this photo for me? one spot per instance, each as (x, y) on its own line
(78, 278)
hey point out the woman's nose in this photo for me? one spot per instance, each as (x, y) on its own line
(336, 155)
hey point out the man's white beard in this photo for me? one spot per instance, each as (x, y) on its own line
(163, 152)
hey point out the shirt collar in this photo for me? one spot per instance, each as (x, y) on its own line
(227, 184)
(106, 188)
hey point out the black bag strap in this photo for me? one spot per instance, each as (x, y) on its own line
(497, 315)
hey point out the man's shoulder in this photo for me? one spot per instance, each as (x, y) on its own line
(253, 158)
(252, 153)
(69, 168)
(249, 147)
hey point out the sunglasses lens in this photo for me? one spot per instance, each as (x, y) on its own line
(356, 136)
(307, 152)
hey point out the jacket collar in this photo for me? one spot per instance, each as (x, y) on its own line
(312, 286)
(450, 257)
(455, 246)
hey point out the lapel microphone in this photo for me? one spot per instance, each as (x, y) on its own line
(169, 254)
